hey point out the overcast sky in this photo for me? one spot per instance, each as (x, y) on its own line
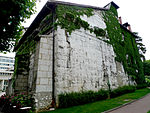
(135, 12)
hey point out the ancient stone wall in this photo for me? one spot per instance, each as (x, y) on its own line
(85, 62)
(21, 82)
(82, 62)
(43, 83)
(34, 57)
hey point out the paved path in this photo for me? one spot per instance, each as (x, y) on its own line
(139, 106)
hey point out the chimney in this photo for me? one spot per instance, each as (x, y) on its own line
(129, 27)
(120, 20)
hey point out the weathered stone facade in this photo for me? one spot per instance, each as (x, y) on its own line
(82, 62)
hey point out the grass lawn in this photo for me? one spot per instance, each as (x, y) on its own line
(100, 106)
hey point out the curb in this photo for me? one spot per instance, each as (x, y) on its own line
(124, 104)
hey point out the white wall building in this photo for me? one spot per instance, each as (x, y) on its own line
(6, 71)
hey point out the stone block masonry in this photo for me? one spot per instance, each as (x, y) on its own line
(82, 62)
(85, 63)
(43, 89)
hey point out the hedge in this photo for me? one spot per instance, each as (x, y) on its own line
(84, 97)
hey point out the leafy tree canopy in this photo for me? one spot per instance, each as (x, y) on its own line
(140, 45)
(146, 66)
(12, 13)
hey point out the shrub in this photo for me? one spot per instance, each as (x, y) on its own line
(7, 103)
(122, 90)
(147, 79)
(78, 98)
(141, 86)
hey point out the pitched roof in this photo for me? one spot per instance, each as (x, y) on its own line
(75, 4)
(113, 4)
(46, 10)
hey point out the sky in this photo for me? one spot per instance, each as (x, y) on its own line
(135, 12)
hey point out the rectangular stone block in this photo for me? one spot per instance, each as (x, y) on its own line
(43, 40)
(45, 45)
(43, 81)
(44, 51)
(38, 81)
(43, 68)
(43, 88)
(45, 56)
(42, 74)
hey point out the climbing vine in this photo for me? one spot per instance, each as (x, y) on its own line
(22, 58)
(124, 46)
(69, 18)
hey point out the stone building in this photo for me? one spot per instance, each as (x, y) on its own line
(52, 61)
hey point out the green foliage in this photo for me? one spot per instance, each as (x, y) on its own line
(124, 46)
(22, 58)
(146, 66)
(114, 11)
(69, 18)
(147, 79)
(141, 86)
(122, 90)
(19, 101)
(13, 12)
(99, 32)
(140, 45)
(23, 100)
(79, 98)
(114, 33)
(46, 24)
(101, 106)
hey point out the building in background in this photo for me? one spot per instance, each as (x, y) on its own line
(6, 71)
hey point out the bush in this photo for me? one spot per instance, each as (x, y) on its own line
(141, 86)
(122, 90)
(79, 98)
(12, 104)
(147, 79)
(146, 67)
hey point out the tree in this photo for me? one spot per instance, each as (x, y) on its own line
(146, 67)
(140, 45)
(12, 13)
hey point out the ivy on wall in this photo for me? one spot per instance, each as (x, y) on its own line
(22, 58)
(124, 46)
(69, 19)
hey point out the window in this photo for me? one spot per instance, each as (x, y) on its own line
(5, 82)
(5, 85)
(5, 73)
(7, 60)
(4, 68)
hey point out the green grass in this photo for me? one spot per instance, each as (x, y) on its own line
(100, 106)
